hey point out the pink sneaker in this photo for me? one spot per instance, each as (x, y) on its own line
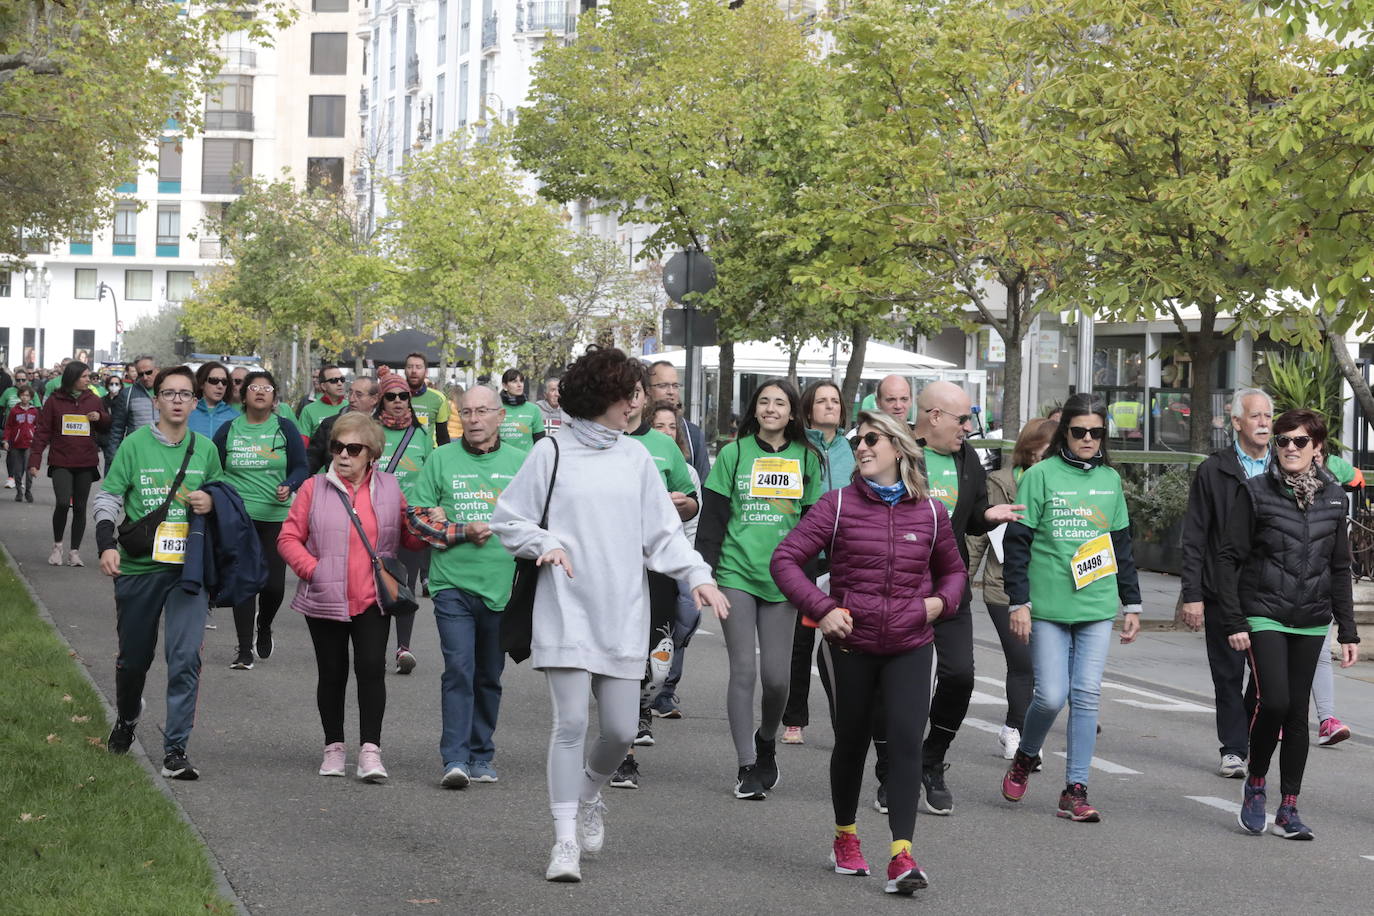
(1073, 804)
(847, 857)
(1332, 731)
(335, 757)
(792, 734)
(370, 767)
(1017, 777)
(904, 876)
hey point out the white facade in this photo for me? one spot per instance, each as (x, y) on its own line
(290, 105)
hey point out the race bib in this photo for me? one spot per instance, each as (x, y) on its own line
(775, 478)
(423, 418)
(169, 544)
(1094, 560)
(75, 424)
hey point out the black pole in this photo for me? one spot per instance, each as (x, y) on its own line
(689, 315)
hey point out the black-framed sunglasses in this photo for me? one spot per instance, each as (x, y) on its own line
(333, 380)
(1299, 442)
(1083, 432)
(217, 380)
(354, 449)
(397, 396)
(872, 439)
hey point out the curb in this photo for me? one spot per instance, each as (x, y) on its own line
(226, 890)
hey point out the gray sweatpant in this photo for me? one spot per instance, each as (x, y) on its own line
(575, 771)
(772, 666)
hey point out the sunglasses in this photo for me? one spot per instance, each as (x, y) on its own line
(962, 418)
(872, 439)
(1083, 432)
(397, 395)
(221, 380)
(148, 372)
(238, 382)
(332, 379)
(354, 449)
(1298, 442)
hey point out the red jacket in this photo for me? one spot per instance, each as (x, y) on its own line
(73, 439)
(887, 560)
(20, 426)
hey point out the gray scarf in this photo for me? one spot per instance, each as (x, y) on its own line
(1304, 484)
(593, 434)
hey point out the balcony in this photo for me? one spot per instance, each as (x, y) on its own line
(240, 58)
(362, 102)
(413, 73)
(489, 39)
(548, 16)
(229, 120)
(210, 248)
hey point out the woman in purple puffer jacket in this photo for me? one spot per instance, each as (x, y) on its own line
(894, 569)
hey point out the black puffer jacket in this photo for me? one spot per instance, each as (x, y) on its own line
(1281, 562)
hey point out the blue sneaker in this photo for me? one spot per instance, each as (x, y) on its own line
(1288, 826)
(482, 771)
(1251, 815)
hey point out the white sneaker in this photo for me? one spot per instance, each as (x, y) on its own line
(55, 558)
(1232, 767)
(9, 483)
(1011, 740)
(74, 559)
(565, 862)
(591, 825)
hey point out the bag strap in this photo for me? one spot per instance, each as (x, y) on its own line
(839, 502)
(400, 450)
(181, 474)
(357, 523)
(544, 518)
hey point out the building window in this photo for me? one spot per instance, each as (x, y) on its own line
(464, 26)
(409, 125)
(329, 53)
(32, 243)
(168, 224)
(376, 49)
(229, 103)
(390, 136)
(482, 67)
(462, 96)
(126, 223)
(85, 282)
(138, 284)
(169, 166)
(330, 6)
(83, 345)
(324, 172)
(225, 163)
(6, 288)
(391, 58)
(439, 100)
(443, 31)
(180, 285)
(326, 116)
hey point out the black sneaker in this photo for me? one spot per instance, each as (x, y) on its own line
(28, 496)
(749, 785)
(766, 761)
(243, 661)
(626, 775)
(265, 642)
(19, 497)
(880, 800)
(121, 737)
(176, 766)
(645, 737)
(937, 799)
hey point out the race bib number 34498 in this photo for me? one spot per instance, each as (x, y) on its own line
(1094, 560)
(775, 478)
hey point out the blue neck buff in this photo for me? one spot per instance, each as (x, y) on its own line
(890, 494)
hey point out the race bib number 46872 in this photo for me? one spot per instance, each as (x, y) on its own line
(775, 478)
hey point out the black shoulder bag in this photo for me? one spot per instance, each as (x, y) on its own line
(137, 537)
(517, 621)
(393, 595)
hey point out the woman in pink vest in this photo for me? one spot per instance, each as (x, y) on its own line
(337, 592)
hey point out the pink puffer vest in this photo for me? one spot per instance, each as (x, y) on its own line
(329, 540)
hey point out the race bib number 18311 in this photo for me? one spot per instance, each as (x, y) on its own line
(169, 544)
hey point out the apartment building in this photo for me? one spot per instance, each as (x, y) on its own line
(289, 105)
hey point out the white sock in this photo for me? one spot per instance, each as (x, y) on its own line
(591, 784)
(564, 820)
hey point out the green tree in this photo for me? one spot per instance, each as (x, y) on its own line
(155, 335)
(85, 85)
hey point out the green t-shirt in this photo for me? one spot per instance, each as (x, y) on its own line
(431, 409)
(255, 465)
(283, 409)
(752, 478)
(521, 424)
(407, 469)
(942, 476)
(669, 461)
(1342, 470)
(316, 411)
(143, 471)
(51, 386)
(466, 487)
(1066, 507)
(1259, 624)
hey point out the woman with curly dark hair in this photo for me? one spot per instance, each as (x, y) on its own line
(610, 518)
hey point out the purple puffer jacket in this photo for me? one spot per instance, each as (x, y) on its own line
(887, 561)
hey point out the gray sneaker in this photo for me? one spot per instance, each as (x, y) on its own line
(1232, 767)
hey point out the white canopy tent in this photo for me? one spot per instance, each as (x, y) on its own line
(814, 359)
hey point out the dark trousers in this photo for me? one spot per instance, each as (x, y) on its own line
(71, 487)
(17, 463)
(263, 607)
(797, 714)
(855, 683)
(1020, 672)
(1228, 684)
(1282, 666)
(662, 615)
(412, 560)
(368, 633)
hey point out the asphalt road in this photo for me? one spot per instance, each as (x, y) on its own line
(290, 841)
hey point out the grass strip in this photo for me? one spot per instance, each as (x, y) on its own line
(81, 830)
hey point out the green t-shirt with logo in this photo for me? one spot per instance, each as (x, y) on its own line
(143, 471)
(313, 414)
(521, 424)
(1066, 507)
(408, 468)
(942, 477)
(431, 409)
(466, 487)
(669, 461)
(255, 465)
(767, 491)
(282, 409)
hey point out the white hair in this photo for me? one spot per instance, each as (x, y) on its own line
(1238, 401)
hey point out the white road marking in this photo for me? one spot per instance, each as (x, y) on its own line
(1161, 702)
(982, 726)
(701, 632)
(1370, 858)
(979, 698)
(815, 671)
(991, 680)
(1105, 766)
(1227, 805)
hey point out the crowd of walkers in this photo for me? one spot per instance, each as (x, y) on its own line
(590, 530)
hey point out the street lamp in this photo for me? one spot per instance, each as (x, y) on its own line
(36, 278)
(119, 328)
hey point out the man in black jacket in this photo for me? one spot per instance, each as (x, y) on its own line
(1216, 485)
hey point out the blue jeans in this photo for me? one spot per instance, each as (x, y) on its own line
(470, 689)
(1068, 660)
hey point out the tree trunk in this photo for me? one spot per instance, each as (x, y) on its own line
(725, 389)
(1203, 352)
(853, 371)
(793, 351)
(1015, 361)
(358, 333)
(1353, 377)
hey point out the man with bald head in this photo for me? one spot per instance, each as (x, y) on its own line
(894, 398)
(957, 479)
(470, 578)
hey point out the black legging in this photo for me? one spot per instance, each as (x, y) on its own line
(368, 633)
(797, 713)
(412, 560)
(1020, 673)
(854, 681)
(263, 607)
(71, 487)
(1282, 666)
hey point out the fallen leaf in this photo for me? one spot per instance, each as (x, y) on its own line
(66, 698)
(27, 818)
(53, 739)
(148, 864)
(81, 719)
(95, 741)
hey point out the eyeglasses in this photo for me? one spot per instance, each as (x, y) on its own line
(1083, 432)
(333, 380)
(397, 396)
(1298, 442)
(217, 380)
(354, 449)
(872, 439)
(262, 389)
(962, 418)
(477, 413)
(667, 386)
(148, 372)
(176, 395)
